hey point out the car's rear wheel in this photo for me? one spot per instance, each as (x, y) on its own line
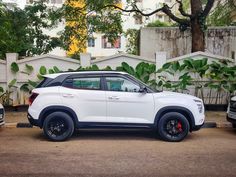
(58, 126)
(173, 127)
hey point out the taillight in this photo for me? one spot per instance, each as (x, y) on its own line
(32, 98)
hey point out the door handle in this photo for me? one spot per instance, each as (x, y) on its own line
(68, 95)
(113, 98)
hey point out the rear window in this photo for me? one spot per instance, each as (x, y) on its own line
(92, 83)
(44, 82)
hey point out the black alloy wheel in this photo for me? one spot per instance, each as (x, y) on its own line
(58, 126)
(173, 127)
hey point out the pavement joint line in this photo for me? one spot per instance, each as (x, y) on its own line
(209, 124)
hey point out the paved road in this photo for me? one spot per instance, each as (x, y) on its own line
(25, 152)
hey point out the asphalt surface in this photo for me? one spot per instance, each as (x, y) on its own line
(208, 152)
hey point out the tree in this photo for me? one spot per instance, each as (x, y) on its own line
(132, 46)
(83, 18)
(224, 14)
(21, 31)
(105, 9)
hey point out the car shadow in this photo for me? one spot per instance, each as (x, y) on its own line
(111, 134)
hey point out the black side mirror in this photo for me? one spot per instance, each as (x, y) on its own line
(143, 89)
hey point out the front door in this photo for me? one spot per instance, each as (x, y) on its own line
(125, 104)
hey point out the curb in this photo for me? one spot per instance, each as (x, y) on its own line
(206, 125)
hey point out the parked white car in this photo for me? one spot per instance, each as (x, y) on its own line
(231, 112)
(67, 101)
(2, 122)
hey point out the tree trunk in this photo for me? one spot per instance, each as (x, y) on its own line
(198, 37)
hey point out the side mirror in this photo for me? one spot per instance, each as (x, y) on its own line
(143, 89)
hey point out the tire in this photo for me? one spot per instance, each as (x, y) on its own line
(58, 126)
(234, 125)
(173, 127)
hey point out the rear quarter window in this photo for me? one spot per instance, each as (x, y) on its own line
(44, 82)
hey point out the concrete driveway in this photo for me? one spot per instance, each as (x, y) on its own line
(208, 152)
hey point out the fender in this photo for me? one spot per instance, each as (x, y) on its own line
(186, 112)
(46, 111)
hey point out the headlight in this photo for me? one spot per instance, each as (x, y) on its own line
(199, 105)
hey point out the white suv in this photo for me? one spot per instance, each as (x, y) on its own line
(67, 101)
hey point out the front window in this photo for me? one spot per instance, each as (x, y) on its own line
(121, 85)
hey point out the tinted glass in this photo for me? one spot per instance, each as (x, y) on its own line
(121, 84)
(86, 83)
(44, 82)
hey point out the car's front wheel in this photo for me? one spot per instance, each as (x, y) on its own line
(173, 127)
(58, 126)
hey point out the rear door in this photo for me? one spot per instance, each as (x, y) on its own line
(86, 97)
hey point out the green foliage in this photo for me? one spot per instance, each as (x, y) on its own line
(143, 71)
(21, 30)
(42, 70)
(84, 20)
(223, 14)
(1, 90)
(132, 46)
(14, 67)
(25, 88)
(12, 83)
(158, 23)
(28, 69)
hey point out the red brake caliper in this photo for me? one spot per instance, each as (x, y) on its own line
(179, 126)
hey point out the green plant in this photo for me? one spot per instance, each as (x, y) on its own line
(143, 71)
(21, 30)
(180, 80)
(222, 81)
(14, 67)
(6, 96)
(158, 23)
(132, 46)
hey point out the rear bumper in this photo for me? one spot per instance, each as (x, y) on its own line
(33, 121)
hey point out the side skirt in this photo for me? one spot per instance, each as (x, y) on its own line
(114, 125)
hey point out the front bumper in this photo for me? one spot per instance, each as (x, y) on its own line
(229, 119)
(2, 122)
(197, 127)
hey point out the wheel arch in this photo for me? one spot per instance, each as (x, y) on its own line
(48, 110)
(182, 110)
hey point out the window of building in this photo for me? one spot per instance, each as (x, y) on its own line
(121, 85)
(106, 43)
(91, 42)
(138, 19)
